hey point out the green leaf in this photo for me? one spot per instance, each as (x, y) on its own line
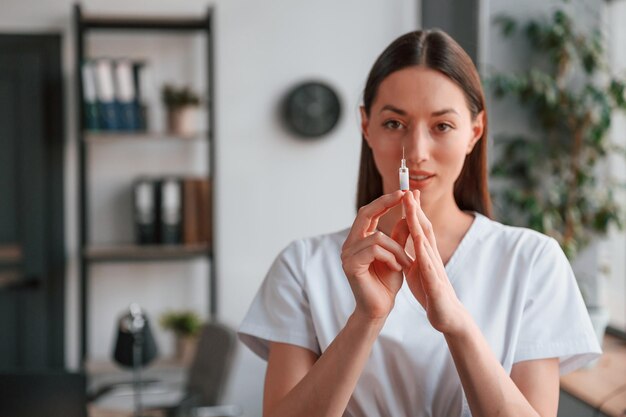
(564, 98)
(616, 89)
(507, 24)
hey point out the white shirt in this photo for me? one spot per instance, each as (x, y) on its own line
(516, 283)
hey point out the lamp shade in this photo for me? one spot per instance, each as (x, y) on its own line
(133, 330)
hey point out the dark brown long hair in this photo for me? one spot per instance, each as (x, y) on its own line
(436, 50)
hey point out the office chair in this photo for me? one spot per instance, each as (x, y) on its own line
(207, 377)
(209, 374)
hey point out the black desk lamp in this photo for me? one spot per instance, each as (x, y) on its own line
(135, 347)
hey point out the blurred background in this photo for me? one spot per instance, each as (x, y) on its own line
(160, 154)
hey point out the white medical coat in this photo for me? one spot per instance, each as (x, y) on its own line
(516, 283)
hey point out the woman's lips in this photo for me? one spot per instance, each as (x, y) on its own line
(419, 181)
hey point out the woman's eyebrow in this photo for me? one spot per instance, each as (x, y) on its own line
(393, 109)
(441, 112)
(444, 111)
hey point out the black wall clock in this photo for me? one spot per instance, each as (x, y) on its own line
(311, 109)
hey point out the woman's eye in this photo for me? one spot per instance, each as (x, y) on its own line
(443, 127)
(393, 124)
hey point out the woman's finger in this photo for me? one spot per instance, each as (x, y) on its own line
(367, 218)
(426, 225)
(382, 240)
(414, 281)
(410, 208)
(401, 233)
(416, 228)
(433, 255)
(367, 255)
(427, 268)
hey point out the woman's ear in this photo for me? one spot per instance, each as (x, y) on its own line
(364, 124)
(478, 127)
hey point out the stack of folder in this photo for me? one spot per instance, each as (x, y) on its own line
(172, 210)
(112, 95)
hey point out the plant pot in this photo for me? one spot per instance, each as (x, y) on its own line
(186, 349)
(182, 121)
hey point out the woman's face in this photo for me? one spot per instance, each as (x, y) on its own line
(424, 111)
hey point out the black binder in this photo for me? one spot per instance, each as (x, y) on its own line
(145, 211)
(170, 211)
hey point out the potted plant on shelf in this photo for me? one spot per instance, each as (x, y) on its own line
(186, 325)
(182, 108)
(553, 180)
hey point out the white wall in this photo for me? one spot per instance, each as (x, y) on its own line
(616, 285)
(274, 188)
(271, 188)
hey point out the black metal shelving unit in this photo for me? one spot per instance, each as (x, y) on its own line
(84, 25)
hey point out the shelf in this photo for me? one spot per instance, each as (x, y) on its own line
(131, 252)
(10, 254)
(141, 136)
(143, 23)
(16, 279)
(139, 28)
(9, 278)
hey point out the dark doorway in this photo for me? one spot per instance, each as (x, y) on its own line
(32, 244)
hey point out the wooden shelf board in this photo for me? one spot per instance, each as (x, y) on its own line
(131, 252)
(113, 22)
(10, 255)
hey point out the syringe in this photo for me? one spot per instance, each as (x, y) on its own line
(403, 173)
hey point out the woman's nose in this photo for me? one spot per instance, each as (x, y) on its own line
(417, 145)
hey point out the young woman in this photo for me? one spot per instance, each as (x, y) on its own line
(444, 313)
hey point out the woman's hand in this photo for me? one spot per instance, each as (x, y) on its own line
(372, 261)
(426, 276)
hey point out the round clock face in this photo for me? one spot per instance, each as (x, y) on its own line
(311, 109)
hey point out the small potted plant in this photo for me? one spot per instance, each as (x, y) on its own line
(182, 107)
(186, 325)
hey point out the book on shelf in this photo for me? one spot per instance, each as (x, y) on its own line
(173, 210)
(145, 211)
(105, 91)
(191, 211)
(170, 211)
(112, 95)
(197, 211)
(90, 100)
(141, 83)
(205, 213)
(125, 96)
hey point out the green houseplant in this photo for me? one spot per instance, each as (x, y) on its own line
(552, 180)
(186, 325)
(182, 104)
